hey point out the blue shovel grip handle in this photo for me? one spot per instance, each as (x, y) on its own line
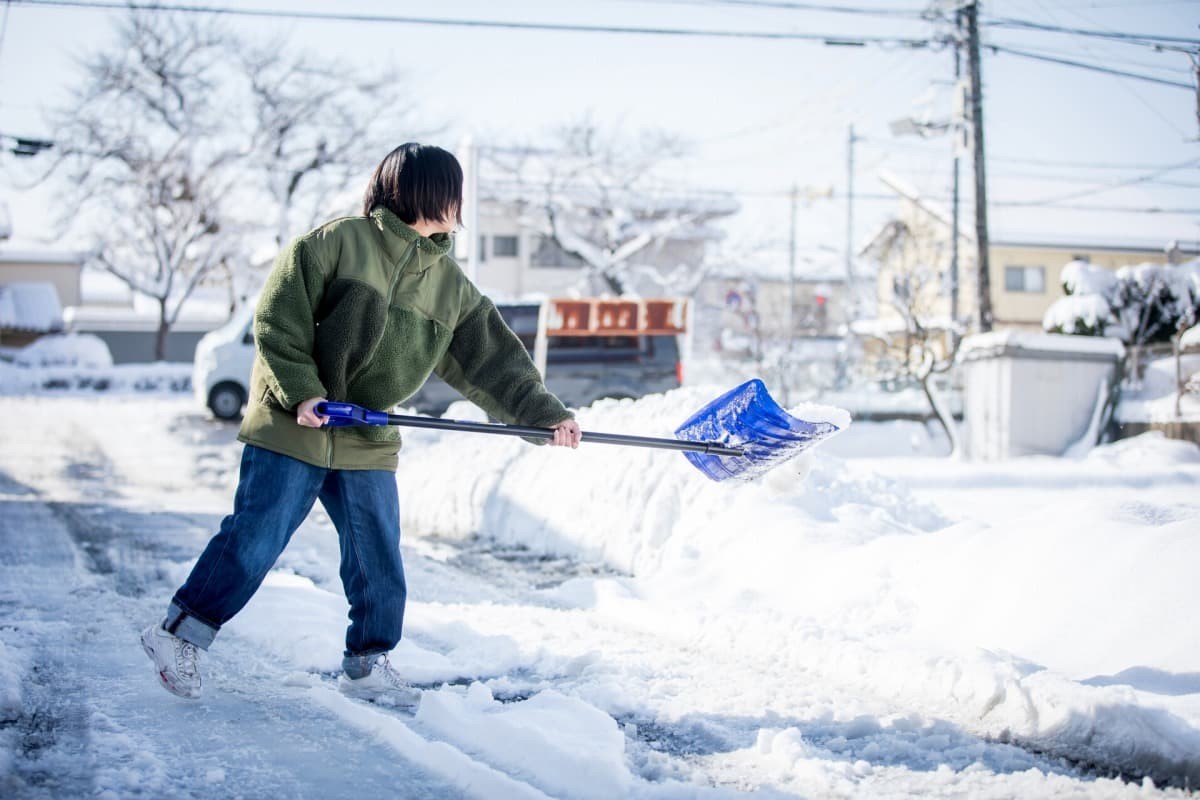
(341, 414)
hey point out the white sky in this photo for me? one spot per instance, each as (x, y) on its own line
(761, 114)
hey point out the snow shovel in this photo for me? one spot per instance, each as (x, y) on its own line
(741, 434)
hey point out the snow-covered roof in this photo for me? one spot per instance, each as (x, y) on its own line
(999, 237)
(117, 318)
(1020, 343)
(30, 306)
(1093, 243)
(25, 251)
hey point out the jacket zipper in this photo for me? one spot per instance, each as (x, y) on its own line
(402, 265)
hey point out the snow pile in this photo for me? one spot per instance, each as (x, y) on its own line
(1190, 338)
(1154, 397)
(826, 568)
(560, 744)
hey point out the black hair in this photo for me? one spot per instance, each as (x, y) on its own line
(417, 181)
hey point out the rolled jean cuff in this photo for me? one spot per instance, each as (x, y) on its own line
(181, 623)
(359, 665)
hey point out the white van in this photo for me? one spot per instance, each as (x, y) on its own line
(221, 371)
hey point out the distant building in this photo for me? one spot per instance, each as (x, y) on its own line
(46, 290)
(913, 253)
(516, 256)
(734, 311)
(36, 282)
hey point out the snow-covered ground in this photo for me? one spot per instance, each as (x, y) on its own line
(871, 621)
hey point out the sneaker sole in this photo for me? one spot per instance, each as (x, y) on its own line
(163, 680)
(383, 697)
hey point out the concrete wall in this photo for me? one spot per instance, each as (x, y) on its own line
(137, 347)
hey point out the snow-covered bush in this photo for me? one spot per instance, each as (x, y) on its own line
(65, 350)
(1141, 304)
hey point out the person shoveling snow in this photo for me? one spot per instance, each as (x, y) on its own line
(363, 309)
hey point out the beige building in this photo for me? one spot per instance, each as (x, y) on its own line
(1026, 275)
(35, 265)
(514, 257)
(913, 255)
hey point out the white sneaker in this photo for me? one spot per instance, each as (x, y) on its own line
(382, 685)
(175, 660)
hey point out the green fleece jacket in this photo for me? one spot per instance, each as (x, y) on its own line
(362, 310)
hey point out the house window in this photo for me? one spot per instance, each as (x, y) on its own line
(548, 253)
(1084, 257)
(504, 246)
(1025, 279)
(482, 255)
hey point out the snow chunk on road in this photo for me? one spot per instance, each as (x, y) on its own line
(562, 745)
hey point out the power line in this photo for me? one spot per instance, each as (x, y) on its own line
(1109, 187)
(1111, 60)
(913, 13)
(1093, 67)
(933, 147)
(1132, 38)
(829, 39)
(1056, 206)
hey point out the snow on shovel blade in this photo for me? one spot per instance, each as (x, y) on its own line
(748, 417)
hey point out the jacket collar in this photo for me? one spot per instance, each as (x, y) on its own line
(398, 237)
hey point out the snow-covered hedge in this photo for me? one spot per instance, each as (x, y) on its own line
(1141, 304)
(65, 350)
(82, 362)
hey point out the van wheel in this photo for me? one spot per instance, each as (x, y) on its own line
(226, 399)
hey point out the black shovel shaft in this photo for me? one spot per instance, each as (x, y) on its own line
(548, 433)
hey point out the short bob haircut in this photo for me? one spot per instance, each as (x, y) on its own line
(417, 181)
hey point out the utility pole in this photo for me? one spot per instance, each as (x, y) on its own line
(956, 131)
(469, 247)
(790, 317)
(1195, 57)
(850, 294)
(971, 12)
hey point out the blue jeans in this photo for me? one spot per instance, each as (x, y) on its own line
(275, 493)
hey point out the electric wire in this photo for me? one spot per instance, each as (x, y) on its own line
(329, 16)
(1093, 67)
(913, 13)
(1136, 38)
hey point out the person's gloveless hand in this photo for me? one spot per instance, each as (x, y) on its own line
(306, 416)
(566, 434)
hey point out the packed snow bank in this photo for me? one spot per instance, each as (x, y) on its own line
(828, 568)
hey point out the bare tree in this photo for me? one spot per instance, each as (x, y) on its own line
(148, 159)
(184, 145)
(318, 125)
(598, 196)
(927, 344)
